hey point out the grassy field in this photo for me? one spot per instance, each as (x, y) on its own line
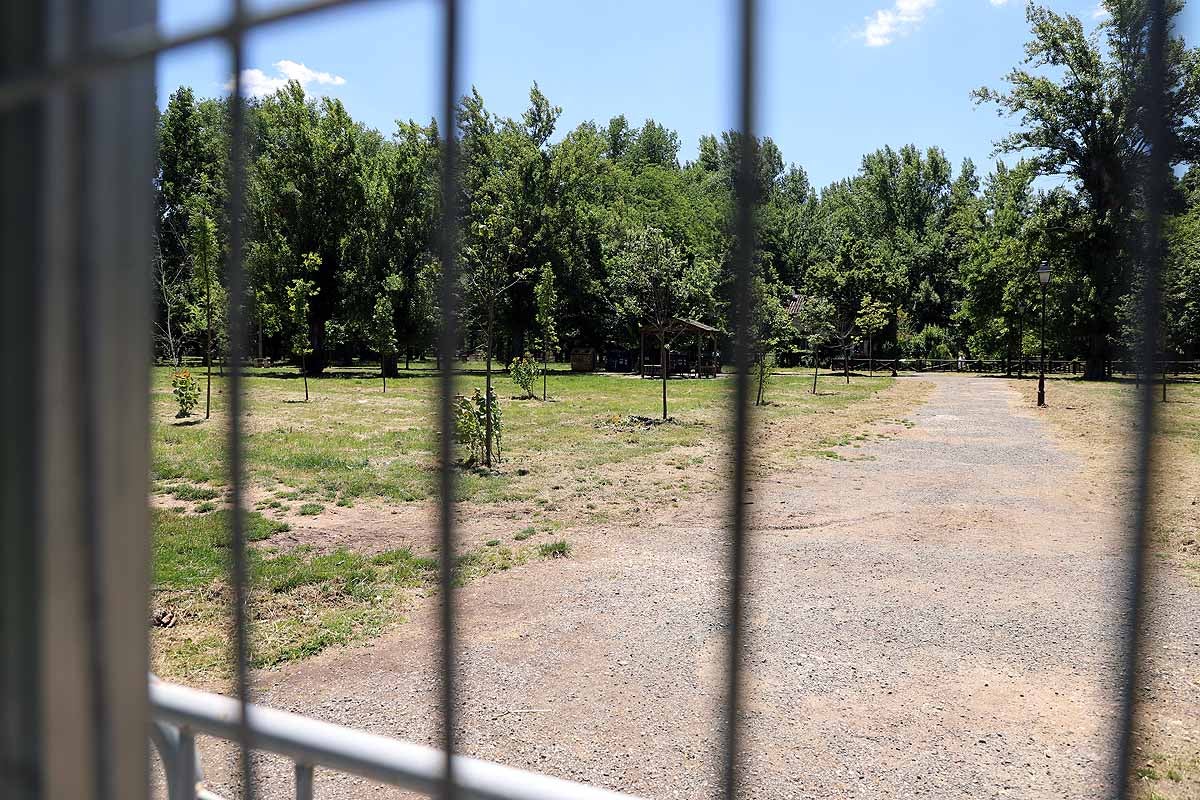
(337, 483)
(1097, 419)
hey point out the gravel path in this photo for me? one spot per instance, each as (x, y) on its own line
(933, 615)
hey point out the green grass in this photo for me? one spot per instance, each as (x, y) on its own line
(559, 548)
(352, 441)
(301, 601)
(575, 461)
(186, 491)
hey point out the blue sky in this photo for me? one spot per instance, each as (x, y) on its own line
(839, 79)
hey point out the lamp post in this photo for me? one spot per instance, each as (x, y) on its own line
(1044, 277)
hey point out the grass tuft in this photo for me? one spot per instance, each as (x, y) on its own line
(560, 548)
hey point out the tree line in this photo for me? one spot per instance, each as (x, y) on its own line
(575, 239)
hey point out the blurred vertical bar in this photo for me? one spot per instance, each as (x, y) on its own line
(1152, 101)
(237, 346)
(23, 146)
(75, 237)
(447, 339)
(746, 191)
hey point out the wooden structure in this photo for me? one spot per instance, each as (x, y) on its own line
(583, 359)
(705, 366)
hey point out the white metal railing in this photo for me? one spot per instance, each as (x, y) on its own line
(180, 713)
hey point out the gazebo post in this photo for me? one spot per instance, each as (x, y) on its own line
(699, 342)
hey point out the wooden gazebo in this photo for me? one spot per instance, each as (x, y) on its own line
(704, 367)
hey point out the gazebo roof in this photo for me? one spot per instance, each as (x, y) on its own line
(678, 325)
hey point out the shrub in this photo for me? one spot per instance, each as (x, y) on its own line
(556, 549)
(311, 509)
(524, 372)
(186, 389)
(470, 425)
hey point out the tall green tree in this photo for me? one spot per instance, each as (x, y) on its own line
(651, 283)
(1082, 114)
(306, 194)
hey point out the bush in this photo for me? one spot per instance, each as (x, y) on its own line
(470, 425)
(524, 372)
(186, 389)
(556, 549)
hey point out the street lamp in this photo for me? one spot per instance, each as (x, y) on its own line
(1044, 278)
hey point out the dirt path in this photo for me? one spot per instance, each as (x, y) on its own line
(933, 615)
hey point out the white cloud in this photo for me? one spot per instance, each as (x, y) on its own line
(1100, 12)
(902, 18)
(998, 2)
(256, 83)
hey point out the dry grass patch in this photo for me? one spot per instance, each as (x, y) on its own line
(1096, 420)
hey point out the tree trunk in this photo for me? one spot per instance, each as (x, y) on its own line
(870, 356)
(545, 367)
(487, 395)
(762, 377)
(816, 368)
(662, 365)
(208, 342)
(846, 364)
(304, 372)
(1097, 356)
(316, 337)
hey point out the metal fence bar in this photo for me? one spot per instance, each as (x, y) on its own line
(1153, 86)
(448, 250)
(367, 755)
(78, 33)
(304, 781)
(185, 765)
(237, 330)
(746, 188)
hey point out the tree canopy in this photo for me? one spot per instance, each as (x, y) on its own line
(565, 232)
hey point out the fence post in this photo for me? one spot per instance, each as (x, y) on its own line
(75, 230)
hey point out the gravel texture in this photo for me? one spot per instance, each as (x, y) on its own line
(935, 614)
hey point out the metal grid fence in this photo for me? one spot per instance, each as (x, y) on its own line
(85, 62)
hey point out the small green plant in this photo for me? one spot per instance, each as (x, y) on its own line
(186, 389)
(524, 372)
(470, 425)
(311, 509)
(186, 491)
(524, 534)
(560, 548)
(206, 507)
(492, 542)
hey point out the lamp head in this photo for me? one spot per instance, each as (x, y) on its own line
(1044, 272)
